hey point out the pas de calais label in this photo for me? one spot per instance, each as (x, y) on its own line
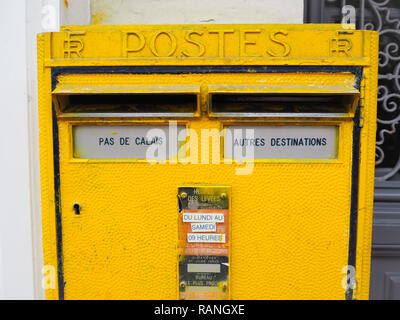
(126, 142)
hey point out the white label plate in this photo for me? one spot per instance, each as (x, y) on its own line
(204, 267)
(203, 217)
(281, 142)
(203, 227)
(127, 142)
(206, 237)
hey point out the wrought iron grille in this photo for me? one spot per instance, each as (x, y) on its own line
(384, 17)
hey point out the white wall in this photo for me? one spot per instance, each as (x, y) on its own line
(16, 258)
(21, 256)
(196, 11)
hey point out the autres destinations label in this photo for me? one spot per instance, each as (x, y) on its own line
(281, 142)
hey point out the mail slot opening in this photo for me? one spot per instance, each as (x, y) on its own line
(137, 104)
(271, 104)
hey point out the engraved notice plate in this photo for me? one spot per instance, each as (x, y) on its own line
(204, 242)
(203, 272)
(281, 142)
(128, 142)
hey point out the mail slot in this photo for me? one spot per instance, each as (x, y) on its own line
(139, 101)
(283, 101)
(207, 164)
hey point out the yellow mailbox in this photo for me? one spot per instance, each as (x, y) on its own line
(207, 161)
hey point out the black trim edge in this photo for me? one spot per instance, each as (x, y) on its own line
(57, 203)
(354, 199)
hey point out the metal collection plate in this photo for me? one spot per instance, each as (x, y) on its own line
(204, 226)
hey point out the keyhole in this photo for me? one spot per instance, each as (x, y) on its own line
(180, 205)
(77, 208)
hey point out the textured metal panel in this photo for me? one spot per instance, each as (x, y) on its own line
(133, 206)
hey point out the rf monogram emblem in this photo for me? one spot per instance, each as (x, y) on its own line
(340, 45)
(73, 45)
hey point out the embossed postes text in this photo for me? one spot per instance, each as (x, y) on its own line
(241, 42)
(207, 43)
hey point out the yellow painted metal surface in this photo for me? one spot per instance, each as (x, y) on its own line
(289, 219)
